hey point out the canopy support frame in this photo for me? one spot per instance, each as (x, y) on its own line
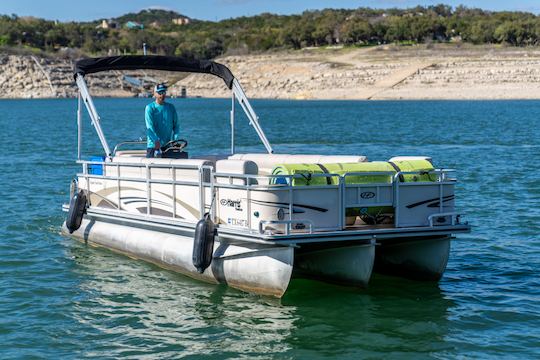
(94, 117)
(250, 113)
(237, 94)
(79, 126)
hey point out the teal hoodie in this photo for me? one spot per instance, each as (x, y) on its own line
(161, 123)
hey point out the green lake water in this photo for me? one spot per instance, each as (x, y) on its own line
(62, 299)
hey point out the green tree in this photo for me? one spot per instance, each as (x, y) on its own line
(399, 29)
(480, 32)
(356, 30)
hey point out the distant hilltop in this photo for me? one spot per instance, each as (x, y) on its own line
(171, 33)
(149, 18)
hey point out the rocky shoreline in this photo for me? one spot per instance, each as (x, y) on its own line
(384, 72)
(29, 77)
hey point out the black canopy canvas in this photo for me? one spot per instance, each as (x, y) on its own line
(167, 63)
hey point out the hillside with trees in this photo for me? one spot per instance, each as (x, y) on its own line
(165, 34)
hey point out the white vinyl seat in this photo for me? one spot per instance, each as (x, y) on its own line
(267, 162)
(131, 153)
(241, 167)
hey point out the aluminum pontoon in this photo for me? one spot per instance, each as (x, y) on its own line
(336, 224)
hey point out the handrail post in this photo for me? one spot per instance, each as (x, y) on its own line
(248, 197)
(342, 209)
(395, 200)
(87, 179)
(148, 189)
(291, 195)
(232, 124)
(202, 205)
(117, 183)
(441, 184)
(213, 190)
(174, 192)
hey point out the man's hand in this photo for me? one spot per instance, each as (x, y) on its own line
(158, 145)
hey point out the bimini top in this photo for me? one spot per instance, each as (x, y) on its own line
(153, 62)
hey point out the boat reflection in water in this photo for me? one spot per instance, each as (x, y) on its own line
(152, 312)
(393, 315)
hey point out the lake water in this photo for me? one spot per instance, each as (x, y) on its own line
(62, 299)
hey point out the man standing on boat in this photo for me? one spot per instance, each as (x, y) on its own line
(161, 122)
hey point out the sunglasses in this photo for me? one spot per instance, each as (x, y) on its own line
(161, 92)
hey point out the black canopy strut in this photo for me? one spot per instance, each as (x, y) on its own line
(167, 63)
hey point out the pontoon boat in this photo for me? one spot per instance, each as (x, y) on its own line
(253, 220)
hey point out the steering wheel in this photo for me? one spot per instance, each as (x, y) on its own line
(175, 145)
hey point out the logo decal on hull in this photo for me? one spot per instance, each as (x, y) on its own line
(367, 195)
(236, 204)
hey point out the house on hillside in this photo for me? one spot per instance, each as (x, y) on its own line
(108, 24)
(134, 25)
(180, 21)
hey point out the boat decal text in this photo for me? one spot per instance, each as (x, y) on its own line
(237, 222)
(236, 204)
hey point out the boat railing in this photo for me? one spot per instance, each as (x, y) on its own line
(356, 195)
(275, 183)
(443, 179)
(348, 194)
(204, 171)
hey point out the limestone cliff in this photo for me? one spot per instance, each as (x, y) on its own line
(384, 72)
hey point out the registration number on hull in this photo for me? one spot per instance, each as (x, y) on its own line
(237, 222)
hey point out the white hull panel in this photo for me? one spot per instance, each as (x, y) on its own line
(350, 265)
(260, 269)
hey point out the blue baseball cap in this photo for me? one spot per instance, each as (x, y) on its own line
(160, 88)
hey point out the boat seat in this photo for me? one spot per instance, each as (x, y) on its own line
(212, 158)
(406, 158)
(267, 162)
(242, 167)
